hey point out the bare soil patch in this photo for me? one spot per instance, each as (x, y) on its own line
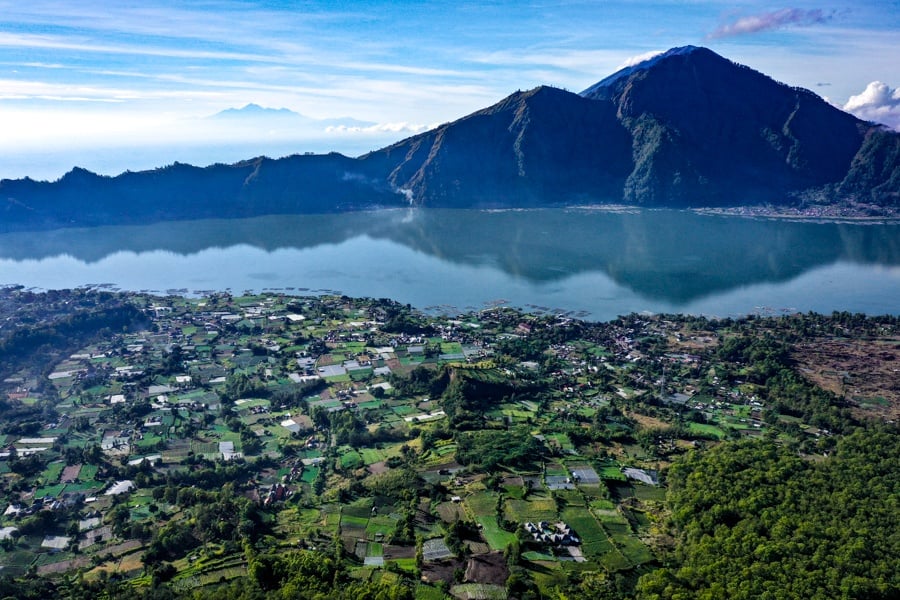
(450, 512)
(442, 570)
(487, 568)
(395, 552)
(378, 468)
(513, 481)
(648, 422)
(866, 372)
(63, 566)
(688, 340)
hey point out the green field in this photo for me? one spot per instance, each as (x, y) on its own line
(52, 472)
(351, 460)
(348, 521)
(611, 472)
(371, 455)
(496, 537)
(426, 592)
(50, 491)
(536, 508)
(309, 474)
(705, 429)
(635, 551)
(384, 525)
(482, 504)
(88, 472)
(593, 537)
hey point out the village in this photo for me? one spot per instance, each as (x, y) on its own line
(452, 451)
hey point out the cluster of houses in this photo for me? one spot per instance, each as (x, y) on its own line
(558, 534)
(276, 494)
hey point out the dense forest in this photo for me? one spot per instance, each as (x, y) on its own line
(757, 521)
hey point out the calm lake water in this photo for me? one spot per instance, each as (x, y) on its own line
(592, 264)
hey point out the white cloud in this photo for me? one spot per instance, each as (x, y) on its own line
(560, 58)
(778, 19)
(879, 102)
(52, 42)
(634, 60)
(401, 127)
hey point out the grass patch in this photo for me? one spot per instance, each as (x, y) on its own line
(351, 460)
(52, 472)
(355, 522)
(586, 527)
(612, 473)
(496, 537)
(649, 492)
(337, 379)
(482, 504)
(371, 455)
(535, 556)
(603, 504)
(706, 430)
(537, 508)
(309, 474)
(635, 551)
(427, 592)
(380, 524)
(405, 564)
(50, 491)
(615, 561)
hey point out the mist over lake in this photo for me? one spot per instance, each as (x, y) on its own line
(589, 263)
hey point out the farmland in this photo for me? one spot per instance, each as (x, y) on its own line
(184, 443)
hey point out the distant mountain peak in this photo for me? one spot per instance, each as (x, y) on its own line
(255, 110)
(644, 65)
(684, 128)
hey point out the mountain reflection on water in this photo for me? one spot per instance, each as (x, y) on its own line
(631, 259)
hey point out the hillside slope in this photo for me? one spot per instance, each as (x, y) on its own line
(687, 128)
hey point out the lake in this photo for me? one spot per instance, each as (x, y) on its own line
(595, 264)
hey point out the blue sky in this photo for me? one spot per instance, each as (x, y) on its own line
(116, 85)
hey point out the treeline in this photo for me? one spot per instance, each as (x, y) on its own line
(757, 521)
(764, 360)
(24, 345)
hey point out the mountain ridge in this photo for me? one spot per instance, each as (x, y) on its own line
(685, 128)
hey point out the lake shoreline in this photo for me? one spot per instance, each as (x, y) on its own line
(601, 261)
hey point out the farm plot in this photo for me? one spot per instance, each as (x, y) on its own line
(450, 512)
(538, 507)
(16, 563)
(559, 482)
(482, 591)
(52, 472)
(594, 540)
(496, 537)
(380, 526)
(706, 430)
(612, 473)
(482, 504)
(435, 549)
(584, 474)
(351, 459)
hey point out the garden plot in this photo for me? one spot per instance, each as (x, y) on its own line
(559, 482)
(496, 537)
(585, 475)
(538, 507)
(55, 542)
(479, 591)
(450, 512)
(435, 549)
